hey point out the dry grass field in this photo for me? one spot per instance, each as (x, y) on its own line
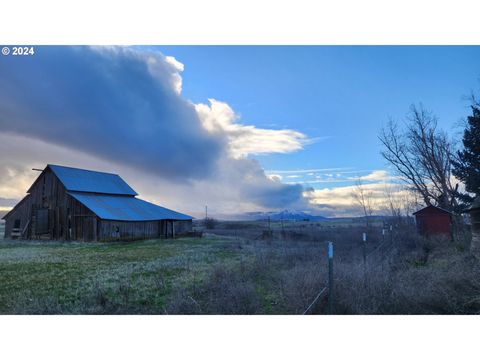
(241, 272)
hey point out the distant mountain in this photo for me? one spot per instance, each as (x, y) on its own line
(287, 215)
(292, 215)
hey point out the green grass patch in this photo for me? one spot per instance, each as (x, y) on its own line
(73, 273)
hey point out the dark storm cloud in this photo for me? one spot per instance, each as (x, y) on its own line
(116, 103)
(249, 180)
(124, 106)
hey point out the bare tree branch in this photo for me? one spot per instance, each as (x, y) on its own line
(364, 199)
(421, 156)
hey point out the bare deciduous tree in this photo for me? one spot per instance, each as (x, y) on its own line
(399, 201)
(363, 198)
(421, 155)
(392, 201)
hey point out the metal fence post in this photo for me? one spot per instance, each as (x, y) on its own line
(364, 243)
(331, 309)
(365, 250)
(382, 253)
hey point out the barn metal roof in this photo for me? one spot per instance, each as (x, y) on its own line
(91, 181)
(126, 208)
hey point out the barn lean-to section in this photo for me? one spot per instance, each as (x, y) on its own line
(75, 204)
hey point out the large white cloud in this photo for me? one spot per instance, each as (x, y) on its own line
(219, 118)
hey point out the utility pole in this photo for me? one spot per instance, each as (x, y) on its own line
(206, 217)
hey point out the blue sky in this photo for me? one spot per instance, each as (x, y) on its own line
(240, 128)
(340, 94)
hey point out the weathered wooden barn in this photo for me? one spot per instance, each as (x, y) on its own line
(433, 220)
(66, 203)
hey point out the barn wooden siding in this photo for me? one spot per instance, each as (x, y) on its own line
(182, 227)
(21, 215)
(122, 230)
(68, 219)
(133, 230)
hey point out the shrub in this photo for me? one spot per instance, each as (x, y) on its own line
(210, 223)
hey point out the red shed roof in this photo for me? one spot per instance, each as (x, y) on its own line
(431, 207)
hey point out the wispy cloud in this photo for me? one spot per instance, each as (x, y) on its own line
(320, 181)
(373, 176)
(376, 175)
(303, 171)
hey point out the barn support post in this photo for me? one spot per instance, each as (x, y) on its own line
(173, 229)
(331, 309)
(95, 229)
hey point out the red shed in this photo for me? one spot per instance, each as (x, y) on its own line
(433, 220)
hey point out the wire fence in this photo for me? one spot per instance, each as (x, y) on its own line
(382, 243)
(387, 245)
(314, 300)
(382, 238)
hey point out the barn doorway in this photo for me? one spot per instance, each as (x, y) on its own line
(42, 221)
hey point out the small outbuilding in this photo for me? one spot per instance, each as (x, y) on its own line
(67, 203)
(433, 220)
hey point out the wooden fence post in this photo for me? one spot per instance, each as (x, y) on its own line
(331, 309)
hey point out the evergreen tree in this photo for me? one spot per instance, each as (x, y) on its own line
(466, 165)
